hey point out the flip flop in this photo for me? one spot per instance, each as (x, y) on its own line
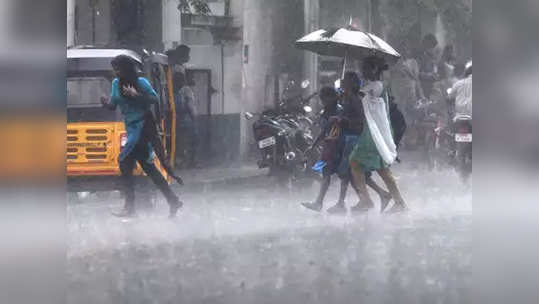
(384, 202)
(312, 206)
(397, 208)
(337, 209)
(359, 208)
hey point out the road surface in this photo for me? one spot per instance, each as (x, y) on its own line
(258, 245)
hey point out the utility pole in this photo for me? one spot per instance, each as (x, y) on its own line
(370, 15)
(171, 24)
(70, 23)
(93, 4)
(311, 23)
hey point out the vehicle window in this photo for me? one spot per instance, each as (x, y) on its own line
(86, 91)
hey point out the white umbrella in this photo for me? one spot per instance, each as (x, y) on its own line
(348, 42)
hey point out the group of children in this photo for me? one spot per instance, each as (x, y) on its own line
(360, 130)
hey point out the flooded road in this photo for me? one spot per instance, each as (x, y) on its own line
(258, 245)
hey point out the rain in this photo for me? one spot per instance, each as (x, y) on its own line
(242, 234)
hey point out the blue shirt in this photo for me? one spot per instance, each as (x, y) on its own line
(133, 111)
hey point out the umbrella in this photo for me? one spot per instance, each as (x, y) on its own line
(348, 42)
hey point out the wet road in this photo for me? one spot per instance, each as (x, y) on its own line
(258, 245)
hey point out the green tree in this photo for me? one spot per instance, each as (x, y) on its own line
(199, 7)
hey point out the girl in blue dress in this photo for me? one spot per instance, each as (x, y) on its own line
(134, 96)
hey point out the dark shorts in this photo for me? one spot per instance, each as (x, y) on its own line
(343, 168)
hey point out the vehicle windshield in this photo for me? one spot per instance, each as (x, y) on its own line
(86, 91)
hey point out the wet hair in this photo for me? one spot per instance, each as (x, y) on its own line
(128, 71)
(354, 79)
(182, 53)
(179, 80)
(377, 64)
(430, 41)
(448, 53)
(459, 69)
(183, 49)
(328, 92)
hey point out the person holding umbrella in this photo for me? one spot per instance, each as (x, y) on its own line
(375, 149)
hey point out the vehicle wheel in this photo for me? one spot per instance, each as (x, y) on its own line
(429, 152)
(464, 164)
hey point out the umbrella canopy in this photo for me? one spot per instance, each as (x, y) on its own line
(348, 42)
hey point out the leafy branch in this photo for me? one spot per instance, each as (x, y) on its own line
(199, 6)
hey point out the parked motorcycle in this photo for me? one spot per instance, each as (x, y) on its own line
(283, 144)
(297, 107)
(436, 137)
(462, 126)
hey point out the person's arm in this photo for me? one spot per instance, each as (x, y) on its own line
(452, 94)
(419, 90)
(453, 91)
(147, 93)
(190, 102)
(113, 100)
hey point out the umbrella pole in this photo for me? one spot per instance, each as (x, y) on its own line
(344, 64)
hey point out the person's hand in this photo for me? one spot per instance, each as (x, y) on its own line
(130, 91)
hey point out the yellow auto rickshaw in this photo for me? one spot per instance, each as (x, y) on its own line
(96, 135)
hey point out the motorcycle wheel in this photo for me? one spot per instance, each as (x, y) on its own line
(430, 151)
(464, 163)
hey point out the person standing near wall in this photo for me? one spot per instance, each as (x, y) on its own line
(408, 90)
(187, 141)
(178, 57)
(428, 63)
(186, 115)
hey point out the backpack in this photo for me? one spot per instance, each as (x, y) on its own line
(398, 123)
(330, 144)
(396, 118)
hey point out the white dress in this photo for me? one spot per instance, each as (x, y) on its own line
(377, 118)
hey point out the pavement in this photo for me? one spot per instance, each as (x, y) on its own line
(203, 179)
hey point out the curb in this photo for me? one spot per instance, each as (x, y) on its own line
(203, 186)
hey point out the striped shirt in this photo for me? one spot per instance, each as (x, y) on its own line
(462, 92)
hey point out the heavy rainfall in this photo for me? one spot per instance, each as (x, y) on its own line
(283, 151)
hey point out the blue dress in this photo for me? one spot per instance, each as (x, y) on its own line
(133, 112)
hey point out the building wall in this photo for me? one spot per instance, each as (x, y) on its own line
(220, 130)
(171, 24)
(70, 23)
(83, 23)
(269, 31)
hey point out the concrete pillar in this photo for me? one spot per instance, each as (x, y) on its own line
(70, 22)
(256, 31)
(269, 31)
(172, 24)
(310, 66)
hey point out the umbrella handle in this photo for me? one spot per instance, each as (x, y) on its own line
(344, 63)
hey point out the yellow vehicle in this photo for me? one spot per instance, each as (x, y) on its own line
(95, 135)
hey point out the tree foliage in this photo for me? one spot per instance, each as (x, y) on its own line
(198, 6)
(402, 18)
